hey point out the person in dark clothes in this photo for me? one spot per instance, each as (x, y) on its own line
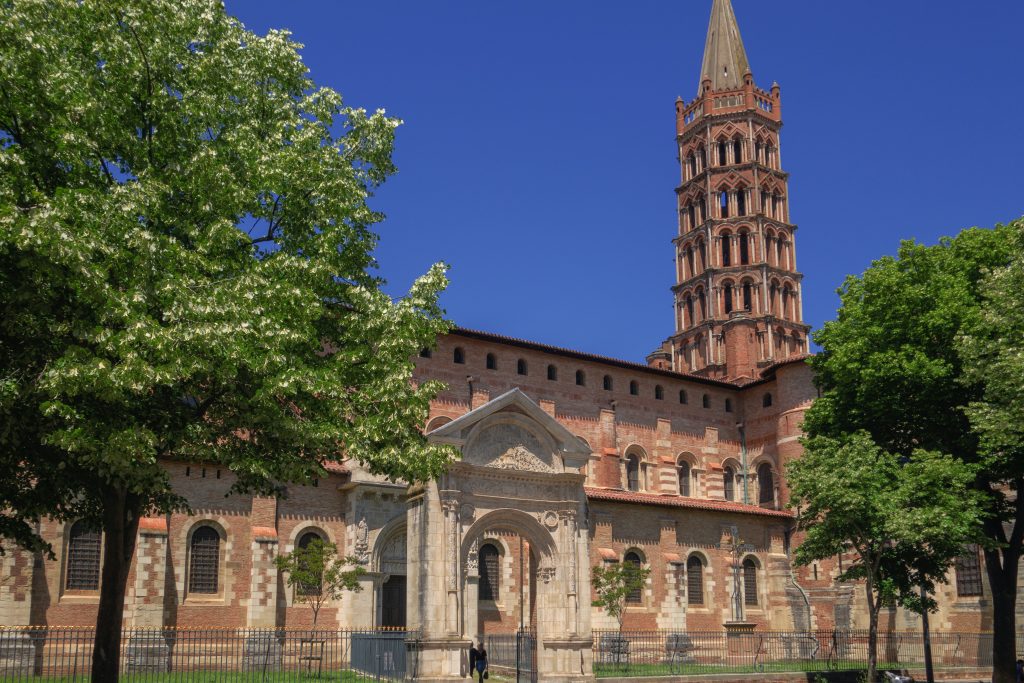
(478, 661)
(1020, 671)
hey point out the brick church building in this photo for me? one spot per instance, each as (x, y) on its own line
(569, 459)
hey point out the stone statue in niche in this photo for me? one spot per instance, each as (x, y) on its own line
(507, 446)
(362, 544)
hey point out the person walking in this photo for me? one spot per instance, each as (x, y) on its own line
(478, 661)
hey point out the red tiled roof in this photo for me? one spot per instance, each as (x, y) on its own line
(335, 467)
(787, 361)
(157, 524)
(619, 496)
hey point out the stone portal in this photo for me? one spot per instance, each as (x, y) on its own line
(519, 471)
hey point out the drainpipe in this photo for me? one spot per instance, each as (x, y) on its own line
(743, 455)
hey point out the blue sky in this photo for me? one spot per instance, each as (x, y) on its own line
(537, 154)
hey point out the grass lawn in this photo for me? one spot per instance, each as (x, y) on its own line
(640, 670)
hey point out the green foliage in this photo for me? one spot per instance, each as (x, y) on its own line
(318, 576)
(925, 354)
(613, 583)
(186, 265)
(903, 520)
(888, 363)
(992, 349)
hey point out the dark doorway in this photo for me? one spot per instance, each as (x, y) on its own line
(393, 602)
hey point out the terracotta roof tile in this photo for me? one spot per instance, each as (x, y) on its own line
(335, 467)
(618, 496)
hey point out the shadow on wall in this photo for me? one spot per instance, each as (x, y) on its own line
(170, 586)
(40, 591)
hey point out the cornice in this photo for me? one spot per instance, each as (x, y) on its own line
(707, 119)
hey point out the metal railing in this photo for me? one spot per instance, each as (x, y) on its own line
(661, 653)
(206, 655)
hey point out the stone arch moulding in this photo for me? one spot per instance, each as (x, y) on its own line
(390, 548)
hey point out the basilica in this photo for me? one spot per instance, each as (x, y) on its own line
(568, 460)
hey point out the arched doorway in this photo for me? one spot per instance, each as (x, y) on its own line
(519, 480)
(391, 564)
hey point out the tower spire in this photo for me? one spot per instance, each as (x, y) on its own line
(725, 60)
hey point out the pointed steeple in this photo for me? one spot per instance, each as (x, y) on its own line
(725, 60)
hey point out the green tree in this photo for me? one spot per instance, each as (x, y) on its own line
(889, 365)
(902, 521)
(992, 349)
(613, 583)
(187, 271)
(318, 576)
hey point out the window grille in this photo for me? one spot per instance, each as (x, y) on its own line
(83, 561)
(490, 577)
(694, 581)
(749, 582)
(968, 573)
(204, 560)
(684, 478)
(634, 596)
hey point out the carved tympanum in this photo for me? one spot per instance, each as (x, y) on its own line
(510, 447)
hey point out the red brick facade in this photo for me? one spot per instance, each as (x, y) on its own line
(720, 404)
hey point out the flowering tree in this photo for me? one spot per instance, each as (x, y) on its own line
(186, 271)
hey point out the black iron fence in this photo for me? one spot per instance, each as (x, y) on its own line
(660, 653)
(207, 655)
(63, 655)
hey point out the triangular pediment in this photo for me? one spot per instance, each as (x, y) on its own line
(513, 432)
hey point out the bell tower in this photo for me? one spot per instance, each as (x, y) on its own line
(738, 304)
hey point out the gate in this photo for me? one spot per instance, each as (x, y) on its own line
(381, 654)
(526, 656)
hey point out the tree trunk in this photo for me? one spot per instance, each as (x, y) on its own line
(1001, 567)
(1002, 580)
(872, 632)
(120, 526)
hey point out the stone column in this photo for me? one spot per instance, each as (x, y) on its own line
(471, 595)
(147, 650)
(571, 560)
(451, 528)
